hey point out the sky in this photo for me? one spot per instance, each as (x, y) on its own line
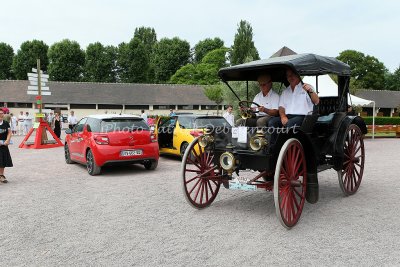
(308, 26)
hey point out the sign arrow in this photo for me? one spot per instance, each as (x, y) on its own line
(37, 93)
(44, 80)
(36, 83)
(46, 76)
(45, 88)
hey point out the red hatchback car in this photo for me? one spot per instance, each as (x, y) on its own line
(103, 140)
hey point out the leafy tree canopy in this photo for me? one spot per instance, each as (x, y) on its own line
(6, 59)
(169, 56)
(66, 61)
(133, 61)
(243, 49)
(368, 72)
(100, 63)
(393, 80)
(26, 58)
(205, 46)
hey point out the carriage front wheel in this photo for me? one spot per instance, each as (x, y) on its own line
(351, 174)
(290, 183)
(200, 176)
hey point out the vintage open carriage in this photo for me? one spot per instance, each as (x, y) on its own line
(328, 138)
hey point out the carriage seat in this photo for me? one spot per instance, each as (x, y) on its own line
(326, 119)
(328, 105)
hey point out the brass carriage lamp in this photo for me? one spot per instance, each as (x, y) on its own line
(206, 139)
(258, 141)
(227, 162)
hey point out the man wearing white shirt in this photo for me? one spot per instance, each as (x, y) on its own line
(72, 120)
(296, 101)
(144, 116)
(20, 123)
(28, 120)
(229, 117)
(268, 101)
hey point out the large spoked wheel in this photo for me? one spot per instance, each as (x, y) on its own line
(91, 166)
(353, 162)
(290, 183)
(200, 184)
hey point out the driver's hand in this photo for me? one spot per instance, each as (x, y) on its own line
(284, 120)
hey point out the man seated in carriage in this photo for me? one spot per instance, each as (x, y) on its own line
(296, 101)
(268, 101)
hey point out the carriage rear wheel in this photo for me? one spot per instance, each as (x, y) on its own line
(351, 174)
(198, 171)
(290, 183)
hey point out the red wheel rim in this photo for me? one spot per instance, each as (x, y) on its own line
(200, 181)
(353, 160)
(291, 184)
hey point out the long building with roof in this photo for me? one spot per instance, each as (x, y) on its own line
(88, 98)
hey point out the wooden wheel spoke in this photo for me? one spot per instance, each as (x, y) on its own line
(192, 179)
(194, 163)
(297, 192)
(194, 186)
(209, 185)
(295, 201)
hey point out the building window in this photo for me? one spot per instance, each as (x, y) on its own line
(82, 106)
(105, 106)
(140, 107)
(208, 107)
(19, 105)
(164, 106)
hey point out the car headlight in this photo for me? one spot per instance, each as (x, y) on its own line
(227, 161)
(258, 141)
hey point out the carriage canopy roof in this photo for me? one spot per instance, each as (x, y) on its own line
(303, 64)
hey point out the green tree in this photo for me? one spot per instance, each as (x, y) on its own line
(368, 72)
(392, 80)
(66, 61)
(243, 49)
(6, 59)
(169, 55)
(205, 72)
(205, 46)
(215, 93)
(26, 58)
(100, 63)
(216, 57)
(148, 37)
(132, 62)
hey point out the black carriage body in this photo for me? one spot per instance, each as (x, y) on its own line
(329, 138)
(322, 133)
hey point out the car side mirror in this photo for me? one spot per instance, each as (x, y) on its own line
(68, 131)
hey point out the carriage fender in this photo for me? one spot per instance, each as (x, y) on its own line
(341, 135)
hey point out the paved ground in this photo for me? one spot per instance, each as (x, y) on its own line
(56, 214)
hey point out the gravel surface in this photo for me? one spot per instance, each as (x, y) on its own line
(56, 214)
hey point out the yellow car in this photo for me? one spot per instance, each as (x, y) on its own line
(176, 133)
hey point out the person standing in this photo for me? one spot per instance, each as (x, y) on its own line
(144, 116)
(20, 123)
(13, 124)
(5, 138)
(228, 115)
(50, 119)
(72, 120)
(27, 122)
(172, 113)
(57, 125)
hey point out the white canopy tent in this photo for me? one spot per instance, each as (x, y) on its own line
(327, 87)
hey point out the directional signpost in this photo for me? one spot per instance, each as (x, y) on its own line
(38, 87)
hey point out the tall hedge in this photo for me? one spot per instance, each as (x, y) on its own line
(383, 120)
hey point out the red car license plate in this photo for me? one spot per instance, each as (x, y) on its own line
(135, 152)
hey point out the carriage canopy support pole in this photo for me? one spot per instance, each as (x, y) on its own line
(227, 84)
